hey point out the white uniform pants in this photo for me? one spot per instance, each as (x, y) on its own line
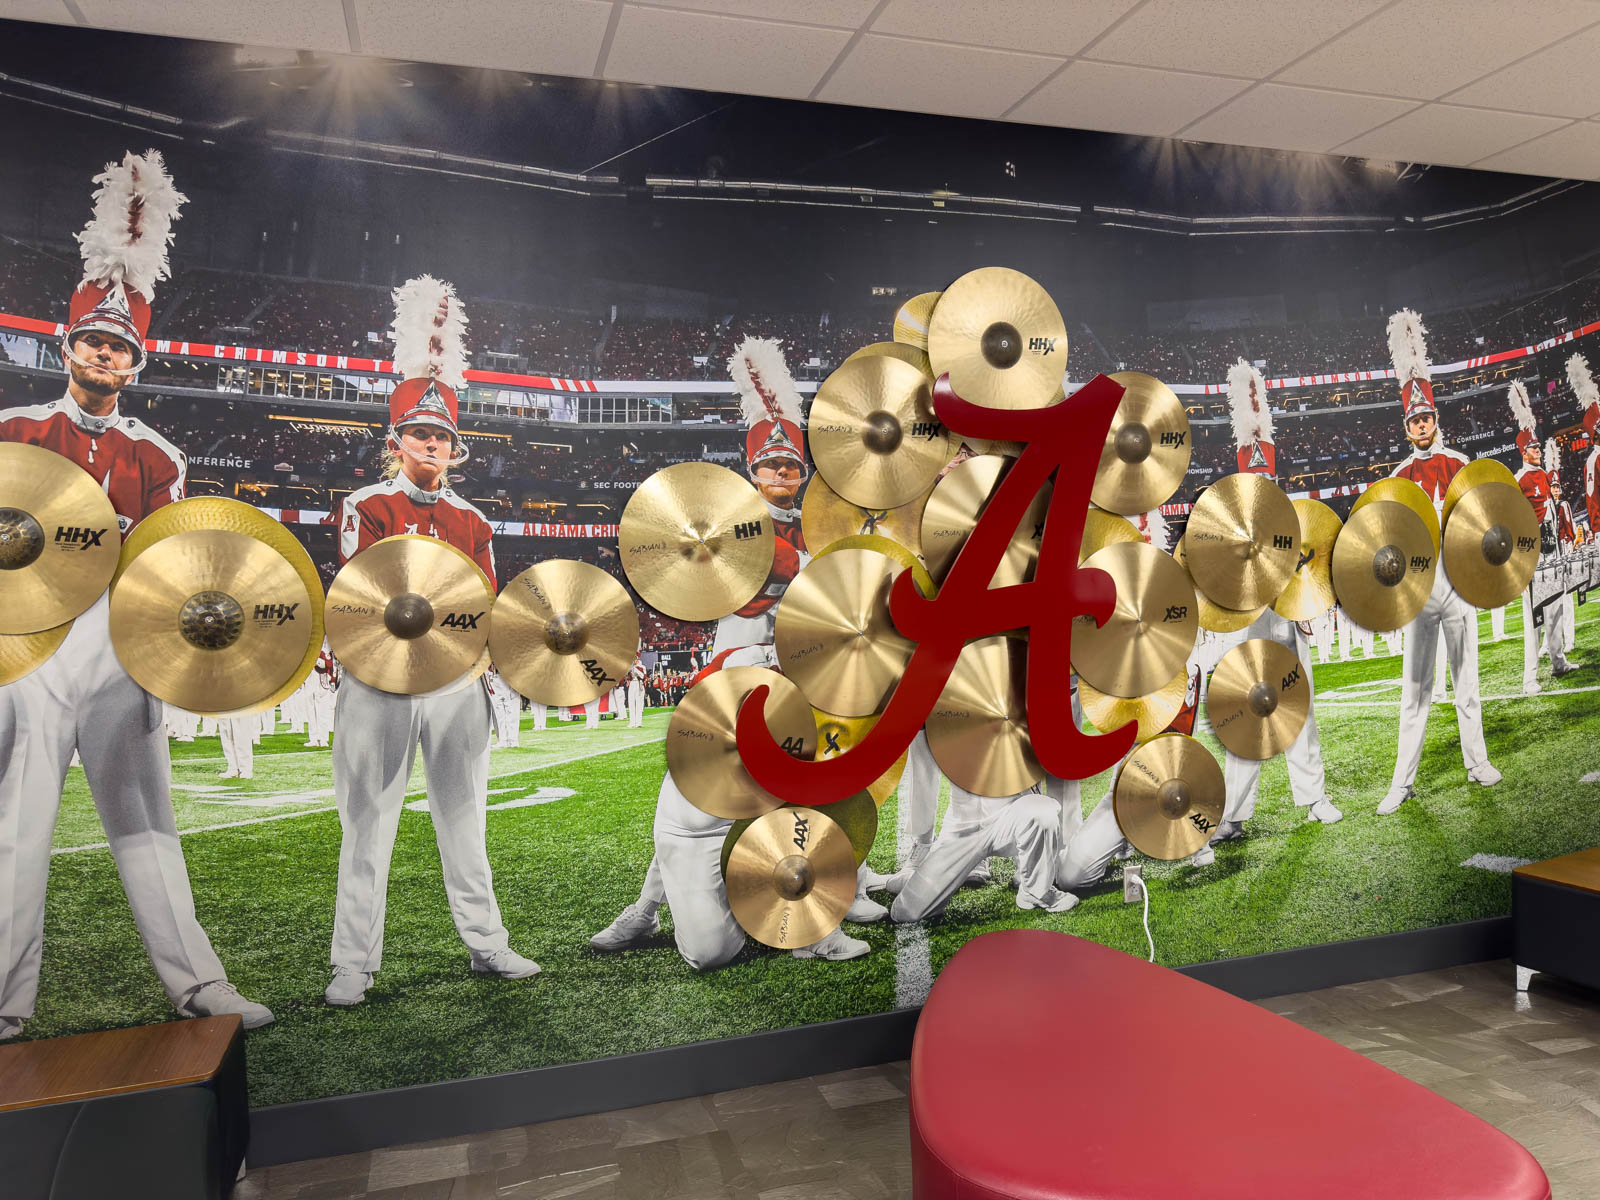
(1084, 860)
(1446, 614)
(1027, 829)
(1307, 779)
(376, 737)
(321, 703)
(1440, 662)
(591, 715)
(635, 706)
(506, 718)
(82, 699)
(540, 715)
(1555, 638)
(238, 749)
(1497, 623)
(686, 874)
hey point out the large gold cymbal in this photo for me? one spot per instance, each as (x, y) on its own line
(702, 739)
(1383, 565)
(905, 353)
(1491, 545)
(696, 541)
(978, 730)
(1309, 592)
(874, 435)
(791, 877)
(1101, 529)
(59, 539)
(1150, 632)
(857, 816)
(953, 510)
(211, 621)
(837, 735)
(563, 632)
(1169, 796)
(834, 636)
(1000, 338)
(1214, 616)
(826, 516)
(1479, 470)
(1242, 541)
(23, 653)
(1403, 491)
(1153, 712)
(911, 321)
(235, 516)
(890, 549)
(409, 614)
(1146, 451)
(1259, 698)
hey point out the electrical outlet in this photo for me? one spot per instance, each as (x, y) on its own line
(1130, 890)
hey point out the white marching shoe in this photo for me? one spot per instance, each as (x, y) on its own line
(1324, 811)
(864, 911)
(1203, 857)
(1054, 900)
(218, 997)
(836, 947)
(634, 925)
(10, 1027)
(507, 964)
(1395, 798)
(348, 987)
(1487, 775)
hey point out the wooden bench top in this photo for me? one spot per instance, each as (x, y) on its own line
(56, 1070)
(1580, 870)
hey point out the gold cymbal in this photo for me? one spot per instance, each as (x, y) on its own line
(911, 321)
(1309, 592)
(408, 614)
(874, 435)
(978, 730)
(1000, 338)
(890, 549)
(59, 539)
(1149, 634)
(791, 877)
(826, 516)
(918, 358)
(1101, 529)
(837, 735)
(953, 510)
(211, 621)
(1153, 712)
(1404, 491)
(1259, 698)
(563, 632)
(857, 816)
(1491, 545)
(1479, 470)
(1214, 616)
(1383, 565)
(833, 634)
(1169, 796)
(1146, 451)
(991, 446)
(702, 739)
(696, 541)
(1242, 541)
(23, 653)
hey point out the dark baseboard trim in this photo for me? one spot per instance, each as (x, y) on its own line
(348, 1124)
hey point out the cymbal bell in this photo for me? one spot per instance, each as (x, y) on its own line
(1309, 592)
(696, 541)
(1147, 447)
(563, 632)
(1101, 529)
(1403, 491)
(874, 435)
(826, 516)
(1000, 338)
(791, 877)
(1259, 698)
(978, 730)
(407, 614)
(837, 735)
(1479, 470)
(23, 653)
(1491, 544)
(953, 510)
(59, 539)
(702, 739)
(1214, 616)
(211, 621)
(1242, 541)
(1169, 797)
(911, 321)
(1383, 565)
(1149, 634)
(1154, 712)
(857, 816)
(834, 636)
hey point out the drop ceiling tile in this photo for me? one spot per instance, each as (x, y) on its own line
(1449, 135)
(1252, 38)
(1044, 26)
(844, 14)
(1570, 153)
(1291, 118)
(722, 54)
(934, 77)
(295, 24)
(561, 37)
(53, 11)
(1119, 99)
(1424, 48)
(1559, 81)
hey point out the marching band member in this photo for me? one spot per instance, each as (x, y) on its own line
(1535, 481)
(1587, 394)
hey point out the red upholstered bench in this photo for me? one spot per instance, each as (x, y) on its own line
(1048, 1066)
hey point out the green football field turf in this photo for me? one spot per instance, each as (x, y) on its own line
(569, 839)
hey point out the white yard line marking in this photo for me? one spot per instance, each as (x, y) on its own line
(1331, 703)
(1591, 777)
(1500, 864)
